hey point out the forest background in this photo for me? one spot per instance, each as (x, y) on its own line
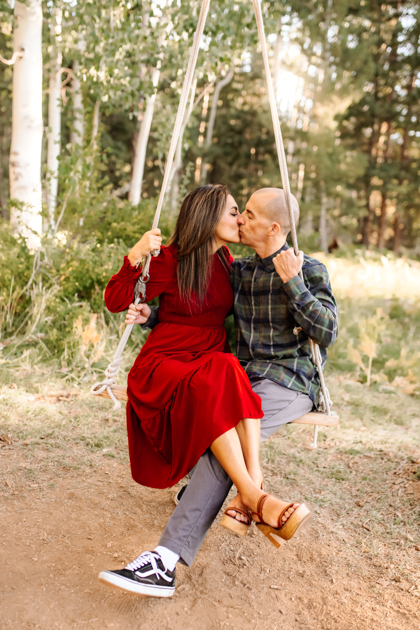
(85, 132)
(88, 97)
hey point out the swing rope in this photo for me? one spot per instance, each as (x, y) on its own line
(140, 288)
(324, 397)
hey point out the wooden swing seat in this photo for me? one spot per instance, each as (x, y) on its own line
(314, 417)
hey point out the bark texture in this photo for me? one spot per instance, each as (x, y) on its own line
(27, 124)
(141, 144)
(54, 120)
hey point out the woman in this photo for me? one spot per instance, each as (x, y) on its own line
(186, 391)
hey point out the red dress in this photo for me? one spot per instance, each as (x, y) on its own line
(185, 388)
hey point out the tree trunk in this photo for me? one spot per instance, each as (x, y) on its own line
(323, 224)
(78, 130)
(382, 221)
(141, 144)
(175, 176)
(367, 220)
(27, 124)
(398, 227)
(398, 224)
(54, 120)
(210, 128)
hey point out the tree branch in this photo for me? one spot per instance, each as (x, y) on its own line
(16, 55)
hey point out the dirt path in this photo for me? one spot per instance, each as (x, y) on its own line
(69, 509)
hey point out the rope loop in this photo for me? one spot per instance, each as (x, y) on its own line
(110, 373)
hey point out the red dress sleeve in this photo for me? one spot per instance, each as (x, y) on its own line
(119, 293)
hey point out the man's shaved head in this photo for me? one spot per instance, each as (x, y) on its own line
(272, 203)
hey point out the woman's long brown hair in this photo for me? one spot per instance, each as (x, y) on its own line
(200, 213)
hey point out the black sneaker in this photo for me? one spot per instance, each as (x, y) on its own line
(178, 495)
(147, 575)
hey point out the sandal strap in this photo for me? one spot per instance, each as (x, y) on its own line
(260, 506)
(284, 510)
(239, 511)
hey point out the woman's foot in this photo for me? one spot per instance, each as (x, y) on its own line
(278, 520)
(272, 509)
(238, 503)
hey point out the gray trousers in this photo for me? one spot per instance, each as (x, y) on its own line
(210, 485)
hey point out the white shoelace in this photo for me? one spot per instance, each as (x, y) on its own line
(145, 558)
(148, 557)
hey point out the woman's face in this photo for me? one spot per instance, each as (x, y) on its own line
(227, 230)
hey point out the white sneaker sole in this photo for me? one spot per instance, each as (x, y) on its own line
(124, 584)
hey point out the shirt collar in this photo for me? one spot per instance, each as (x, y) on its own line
(267, 262)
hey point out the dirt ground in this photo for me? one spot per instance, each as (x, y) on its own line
(69, 509)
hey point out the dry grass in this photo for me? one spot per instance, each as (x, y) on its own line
(362, 483)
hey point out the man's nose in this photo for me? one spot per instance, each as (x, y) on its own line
(240, 219)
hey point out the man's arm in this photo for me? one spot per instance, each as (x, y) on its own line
(311, 302)
(153, 318)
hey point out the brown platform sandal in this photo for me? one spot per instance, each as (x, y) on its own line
(286, 531)
(236, 527)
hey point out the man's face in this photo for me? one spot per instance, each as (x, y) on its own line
(254, 226)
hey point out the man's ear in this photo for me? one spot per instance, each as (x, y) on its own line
(275, 229)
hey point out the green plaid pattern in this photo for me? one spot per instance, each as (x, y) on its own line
(274, 320)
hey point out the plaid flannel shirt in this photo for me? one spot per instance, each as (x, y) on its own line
(274, 321)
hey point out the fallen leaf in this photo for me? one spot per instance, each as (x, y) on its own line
(12, 386)
(359, 503)
(6, 439)
(366, 527)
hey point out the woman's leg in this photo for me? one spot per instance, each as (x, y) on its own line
(249, 435)
(229, 452)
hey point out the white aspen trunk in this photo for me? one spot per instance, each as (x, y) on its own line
(210, 128)
(54, 120)
(95, 122)
(77, 133)
(141, 144)
(175, 176)
(27, 124)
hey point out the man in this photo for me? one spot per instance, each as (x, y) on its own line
(275, 314)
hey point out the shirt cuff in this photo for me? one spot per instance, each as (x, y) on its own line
(294, 287)
(128, 274)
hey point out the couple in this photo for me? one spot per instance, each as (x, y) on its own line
(193, 404)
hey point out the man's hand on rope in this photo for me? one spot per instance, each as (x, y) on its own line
(287, 264)
(137, 314)
(149, 241)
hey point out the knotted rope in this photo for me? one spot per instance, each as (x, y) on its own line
(140, 288)
(324, 397)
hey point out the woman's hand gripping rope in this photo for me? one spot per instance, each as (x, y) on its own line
(149, 242)
(137, 314)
